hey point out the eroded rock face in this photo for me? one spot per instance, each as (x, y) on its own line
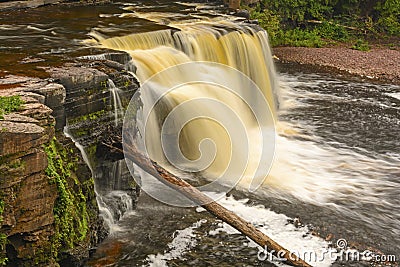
(50, 211)
(27, 195)
(27, 191)
(92, 117)
(37, 91)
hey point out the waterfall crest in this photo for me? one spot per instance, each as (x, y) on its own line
(241, 47)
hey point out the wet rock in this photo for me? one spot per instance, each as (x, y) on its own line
(117, 57)
(254, 21)
(242, 14)
(83, 98)
(29, 60)
(15, 117)
(37, 111)
(9, 5)
(35, 199)
(86, 89)
(329, 237)
(33, 90)
(71, 76)
(53, 93)
(114, 65)
(91, 117)
(27, 194)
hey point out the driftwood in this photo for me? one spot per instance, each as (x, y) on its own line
(207, 203)
(335, 24)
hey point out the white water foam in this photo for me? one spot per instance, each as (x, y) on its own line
(395, 95)
(105, 211)
(296, 239)
(276, 226)
(183, 241)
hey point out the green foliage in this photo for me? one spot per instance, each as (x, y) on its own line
(127, 83)
(9, 104)
(3, 243)
(297, 37)
(268, 21)
(394, 46)
(361, 45)
(70, 214)
(332, 31)
(1, 210)
(294, 12)
(91, 116)
(104, 84)
(16, 164)
(389, 19)
(324, 21)
(81, 132)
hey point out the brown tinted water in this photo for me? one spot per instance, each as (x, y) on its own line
(51, 35)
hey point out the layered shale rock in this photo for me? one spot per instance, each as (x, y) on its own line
(31, 231)
(48, 209)
(98, 90)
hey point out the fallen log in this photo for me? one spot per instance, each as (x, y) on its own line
(332, 23)
(183, 187)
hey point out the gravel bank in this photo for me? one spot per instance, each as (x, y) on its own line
(380, 64)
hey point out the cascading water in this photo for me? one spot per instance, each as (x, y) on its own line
(114, 201)
(304, 171)
(242, 48)
(337, 157)
(117, 103)
(113, 196)
(113, 204)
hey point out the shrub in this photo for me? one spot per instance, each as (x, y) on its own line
(267, 20)
(361, 45)
(297, 37)
(328, 30)
(389, 16)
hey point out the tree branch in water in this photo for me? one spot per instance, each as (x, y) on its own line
(192, 193)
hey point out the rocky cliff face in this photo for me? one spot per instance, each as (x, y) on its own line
(32, 232)
(48, 209)
(96, 98)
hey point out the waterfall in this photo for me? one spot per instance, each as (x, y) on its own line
(115, 95)
(113, 197)
(218, 118)
(114, 201)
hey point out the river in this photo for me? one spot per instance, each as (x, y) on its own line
(338, 173)
(336, 170)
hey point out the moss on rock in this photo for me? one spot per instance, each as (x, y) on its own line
(71, 216)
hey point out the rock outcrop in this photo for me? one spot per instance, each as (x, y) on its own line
(48, 210)
(98, 90)
(29, 196)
